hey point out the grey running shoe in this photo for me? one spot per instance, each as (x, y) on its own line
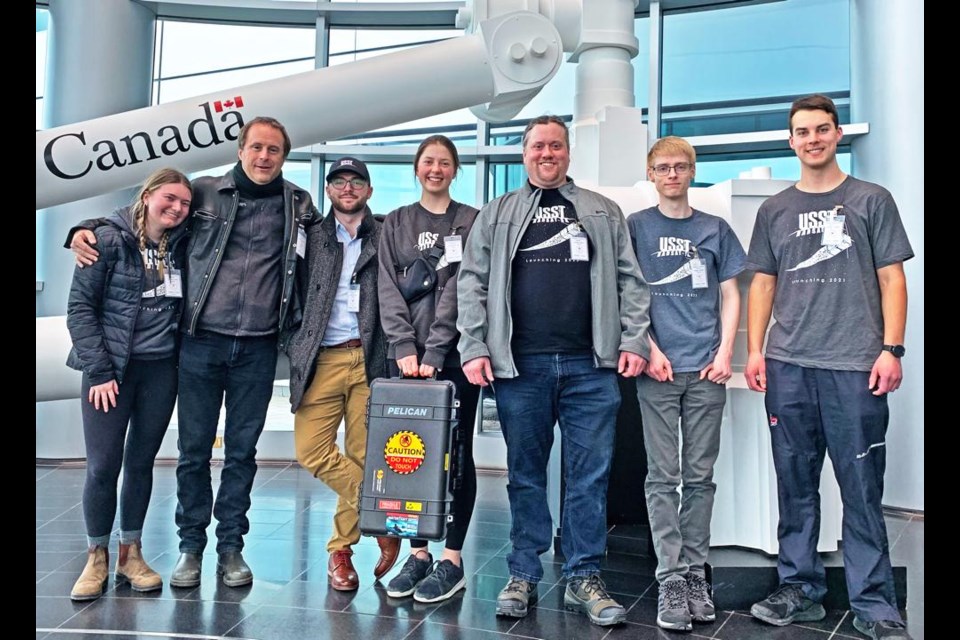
(590, 596)
(444, 580)
(884, 629)
(700, 598)
(673, 610)
(516, 597)
(787, 604)
(412, 573)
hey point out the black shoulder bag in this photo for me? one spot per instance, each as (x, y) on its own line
(419, 278)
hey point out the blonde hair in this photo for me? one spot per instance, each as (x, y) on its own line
(671, 146)
(154, 181)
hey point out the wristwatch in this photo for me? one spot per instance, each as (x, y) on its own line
(896, 349)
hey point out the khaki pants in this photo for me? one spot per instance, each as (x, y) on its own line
(339, 387)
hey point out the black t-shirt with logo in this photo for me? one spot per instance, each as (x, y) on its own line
(550, 293)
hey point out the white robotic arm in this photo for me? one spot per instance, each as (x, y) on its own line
(502, 64)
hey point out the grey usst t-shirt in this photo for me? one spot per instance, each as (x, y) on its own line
(685, 320)
(827, 301)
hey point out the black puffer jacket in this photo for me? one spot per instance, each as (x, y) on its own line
(105, 299)
(317, 282)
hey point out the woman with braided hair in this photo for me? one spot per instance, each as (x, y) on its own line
(122, 315)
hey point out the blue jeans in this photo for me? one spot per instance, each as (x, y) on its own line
(568, 389)
(813, 411)
(214, 369)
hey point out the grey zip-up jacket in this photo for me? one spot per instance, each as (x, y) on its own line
(620, 296)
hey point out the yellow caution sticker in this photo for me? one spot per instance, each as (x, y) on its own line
(413, 506)
(404, 452)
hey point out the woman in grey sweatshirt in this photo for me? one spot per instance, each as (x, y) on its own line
(422, 341)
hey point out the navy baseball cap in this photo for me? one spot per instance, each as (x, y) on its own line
(348, 164)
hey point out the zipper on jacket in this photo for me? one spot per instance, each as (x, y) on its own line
(198, 305)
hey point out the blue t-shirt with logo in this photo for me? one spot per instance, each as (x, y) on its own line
(684, 319)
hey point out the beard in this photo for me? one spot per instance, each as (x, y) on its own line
(357, 206)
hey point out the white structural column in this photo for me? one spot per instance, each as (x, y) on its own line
(99, 62)
(886, 50)
(609, 138)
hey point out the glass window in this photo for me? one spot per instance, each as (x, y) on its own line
(641, 64)
(198, 47)
(43, 18)
(785, 167)
(743, 58)
(505, 177)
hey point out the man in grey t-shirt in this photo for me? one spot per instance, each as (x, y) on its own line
(690, 260)
(828, 255)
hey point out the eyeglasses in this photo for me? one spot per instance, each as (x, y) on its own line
(340, 183)
(682, 169)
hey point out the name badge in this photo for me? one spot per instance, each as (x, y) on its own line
(173, 283)
(453, 248)
(579, 248)
(833, 230)
(353, 298)
(301, 241)
(698, 273)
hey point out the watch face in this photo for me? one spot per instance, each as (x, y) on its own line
(897, 349)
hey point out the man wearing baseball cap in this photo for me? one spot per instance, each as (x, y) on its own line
(336, 351)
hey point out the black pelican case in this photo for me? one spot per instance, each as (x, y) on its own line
(412, 460)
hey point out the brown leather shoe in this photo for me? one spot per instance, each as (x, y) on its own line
(342, 575)
(389, 550)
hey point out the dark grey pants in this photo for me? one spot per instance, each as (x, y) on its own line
(680, 523)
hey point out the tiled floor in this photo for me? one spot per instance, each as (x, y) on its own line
(290, 599)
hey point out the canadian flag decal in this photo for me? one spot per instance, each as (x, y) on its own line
(222, 105)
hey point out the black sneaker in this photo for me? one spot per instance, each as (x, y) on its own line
(444, 580)
(700, 598)
(412, 573)
(590, 596)
(883, 629)
(515, 598)
(673, 608)
(787, 604)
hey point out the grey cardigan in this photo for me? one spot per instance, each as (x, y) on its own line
(620, 296)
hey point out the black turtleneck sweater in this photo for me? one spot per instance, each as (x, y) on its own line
(244, 299)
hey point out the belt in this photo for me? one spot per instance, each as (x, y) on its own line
(353, 343)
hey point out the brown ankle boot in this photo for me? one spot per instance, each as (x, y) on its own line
(93, 581)
(132, 568)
